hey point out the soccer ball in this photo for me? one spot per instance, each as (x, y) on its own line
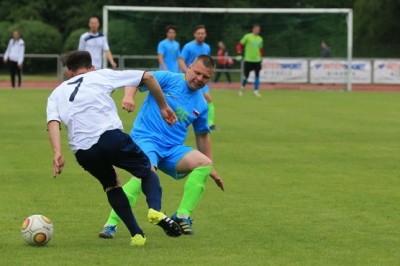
(37, 230)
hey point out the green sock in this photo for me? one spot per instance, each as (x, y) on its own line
(211, 114)
(132, 190)
(193, 190)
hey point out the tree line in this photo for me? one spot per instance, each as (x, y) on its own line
(54, 26)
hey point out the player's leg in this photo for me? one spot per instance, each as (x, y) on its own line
(186, 161)
(257, 69)
(19, 75)
(247, 69)
(136, 162)
(93, 160)
(211, 107)
(227, 73)
(11, 68)
(132, 190)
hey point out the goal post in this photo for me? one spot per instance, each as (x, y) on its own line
(348, 13)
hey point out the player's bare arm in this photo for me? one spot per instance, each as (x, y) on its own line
(53, 128)
(166, 112)
(111, 59)
(128, 102)
(203, 143)
(161, 61)
(182, 64)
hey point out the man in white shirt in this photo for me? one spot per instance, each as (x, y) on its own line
(84, 104)
(14, 57)
(96, 43)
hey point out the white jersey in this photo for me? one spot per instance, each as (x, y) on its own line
(95, 44)
(15, 51)
(83, 103)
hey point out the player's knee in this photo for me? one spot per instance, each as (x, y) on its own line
(205, 162)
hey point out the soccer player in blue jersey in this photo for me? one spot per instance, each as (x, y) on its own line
(168, 51)
(189, 52)
(164, 144)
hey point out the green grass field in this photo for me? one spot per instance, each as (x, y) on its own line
(43, 77)
(312, 178)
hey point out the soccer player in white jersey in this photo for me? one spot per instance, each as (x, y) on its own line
(96, 43)
(165, 145)
(83, 103)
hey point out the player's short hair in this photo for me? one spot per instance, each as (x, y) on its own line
(326, 42)
(199, 27)
(170, 27)
(255, 25)
(77, 59)
(96, 17)
(207, 60)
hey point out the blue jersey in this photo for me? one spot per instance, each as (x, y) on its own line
(189, 106)
(192, 49)
(170, 51)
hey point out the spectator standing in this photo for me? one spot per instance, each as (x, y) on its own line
(14, 57)
(325, 50)
(223, 62)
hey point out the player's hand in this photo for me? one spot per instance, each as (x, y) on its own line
(128, 104)
(217, 179)
(239, 57)
(58, 164)
(168, 115)
(113, 65)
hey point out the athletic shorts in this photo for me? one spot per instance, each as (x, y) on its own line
(114, 148)
(206, 89)
(249, 66)
(164, 158)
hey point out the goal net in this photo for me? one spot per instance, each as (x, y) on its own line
(291, 37)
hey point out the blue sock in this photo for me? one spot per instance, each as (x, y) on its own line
(120, 203)
(256, 83)
(152, 189)
(244, 82)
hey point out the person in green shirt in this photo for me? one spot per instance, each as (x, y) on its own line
(252, 46)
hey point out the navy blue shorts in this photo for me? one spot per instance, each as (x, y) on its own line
(114, 148)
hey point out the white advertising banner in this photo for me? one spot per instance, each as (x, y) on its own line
(282, 71)
(387, 71)
(324, 71)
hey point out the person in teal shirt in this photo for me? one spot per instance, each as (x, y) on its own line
(164, 145)
(168, 51)
(252, 44)
(189, 52)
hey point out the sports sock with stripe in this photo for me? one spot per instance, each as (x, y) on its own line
(211, 114)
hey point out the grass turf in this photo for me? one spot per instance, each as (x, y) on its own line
(311, 179)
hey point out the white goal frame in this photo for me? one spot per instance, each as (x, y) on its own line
(347, 11)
